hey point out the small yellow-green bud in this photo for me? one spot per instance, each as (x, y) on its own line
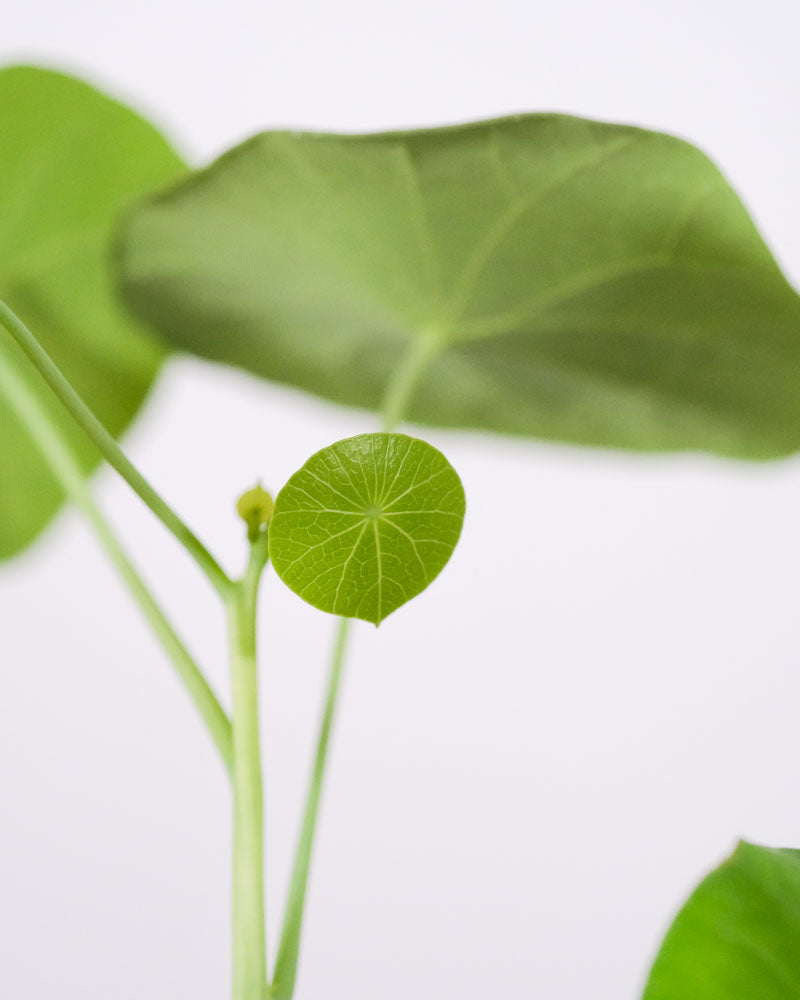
(255, 509)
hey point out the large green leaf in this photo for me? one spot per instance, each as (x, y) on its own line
(737, 937)
(367, 524)
(70, 160)
(574, 280)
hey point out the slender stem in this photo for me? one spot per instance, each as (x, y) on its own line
(398, 396)
(288, 950)
(110, 450)
(58, 453)
(249, 923)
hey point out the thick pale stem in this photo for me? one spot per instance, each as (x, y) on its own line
(57, 451)
(110, 450)
(249, 924)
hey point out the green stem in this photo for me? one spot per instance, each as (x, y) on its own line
(110, 450)
(289, 948)
(58, 453)
(398, 396)
(424, 348)
(249, 924)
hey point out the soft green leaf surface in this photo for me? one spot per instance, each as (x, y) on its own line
(576, 280)
(366, 524)
(737, 937)
(70, 159)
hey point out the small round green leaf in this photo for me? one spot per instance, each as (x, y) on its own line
(737, 937)
(367, 524)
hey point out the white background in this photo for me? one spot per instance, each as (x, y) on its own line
(536, 760)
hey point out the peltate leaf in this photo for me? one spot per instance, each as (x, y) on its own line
(569, 279)
(367, 524)
(70, 160)
(737, 936)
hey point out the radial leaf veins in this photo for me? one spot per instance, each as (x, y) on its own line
(366, 524)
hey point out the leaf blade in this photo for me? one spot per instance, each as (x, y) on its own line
(352, 559)
(72, 158)
(737, 935)
(585, 282)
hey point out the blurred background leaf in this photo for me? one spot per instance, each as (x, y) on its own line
(572, 280)
(70, 160)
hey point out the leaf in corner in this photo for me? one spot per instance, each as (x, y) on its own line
(736, 938)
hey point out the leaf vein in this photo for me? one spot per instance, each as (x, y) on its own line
(318, 545)
(486, 246)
